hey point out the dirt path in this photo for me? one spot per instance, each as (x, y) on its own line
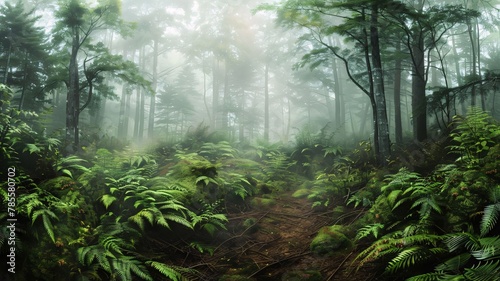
(269, 243)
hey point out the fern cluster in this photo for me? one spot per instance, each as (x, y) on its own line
(447, 220)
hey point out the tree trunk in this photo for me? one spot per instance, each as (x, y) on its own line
(73, 96)
(7, 65)
(398, 126)
(137, 112)
(266, 102)
(338, 102)
(225, 99)
(472, 38)
(379, 92)
(154, 85)
(419, 103)
(215, 93)
(142, 116)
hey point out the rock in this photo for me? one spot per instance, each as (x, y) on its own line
(328, 240)
(265, 203)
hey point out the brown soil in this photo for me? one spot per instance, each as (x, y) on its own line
(277, 242)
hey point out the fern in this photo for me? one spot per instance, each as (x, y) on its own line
(65, 166)
(489, 271)
(433, 276)
(371, 229)
(167, 271)
(107, 200)
(222, 149)
(491, 212)
(413, 256)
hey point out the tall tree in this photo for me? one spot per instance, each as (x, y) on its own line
(358, 22)
(425, 28)
(77, 23)
(24, 52)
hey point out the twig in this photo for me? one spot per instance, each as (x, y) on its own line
(241, 234)
(279, 261)
(340, 265)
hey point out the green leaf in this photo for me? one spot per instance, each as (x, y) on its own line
(107, 200)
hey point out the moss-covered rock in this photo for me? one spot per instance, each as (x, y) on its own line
(194, 173)
(265, 203)
(193, 165)
(301, 193)
(330, 239)
(299, 275)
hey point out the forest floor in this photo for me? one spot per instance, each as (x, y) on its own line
(276, 244)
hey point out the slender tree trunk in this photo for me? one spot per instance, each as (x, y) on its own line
(364, 118)
(7, 65)
(215, 94)
(73, 96)
(225, 99)
(137, 112)
(142, 116)
(472, 38)
(398, 126)
(419, 103)
(379, 92)
(338, 102)
(266, 102)
(241, 119)
(154, 85)
(482, 93)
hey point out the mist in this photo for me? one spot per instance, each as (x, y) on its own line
(249, 140)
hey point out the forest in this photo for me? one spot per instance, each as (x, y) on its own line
(234, 140)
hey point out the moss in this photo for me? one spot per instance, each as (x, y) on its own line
(299, 275)
(193, 165)
(330, 239)
(301, 193)
(185, 172)
(265, 203)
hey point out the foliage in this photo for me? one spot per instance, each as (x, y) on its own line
(474, 134)
(433, 220)
(212, 152)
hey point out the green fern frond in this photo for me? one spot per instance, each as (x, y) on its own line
(490, 218)
(435, 276)
(456, 241)
(455, 264)
(372, 229)
(166, 270)
(490, 248)
(121, 268)
(144, 214)
(46, 215)
(489, 271)
(178, 219)
(412, 256)
(87, 255)
(139, 269)
(49, 228)
(202, 248)
(107, 200)
(112, 243)
(393, 196)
